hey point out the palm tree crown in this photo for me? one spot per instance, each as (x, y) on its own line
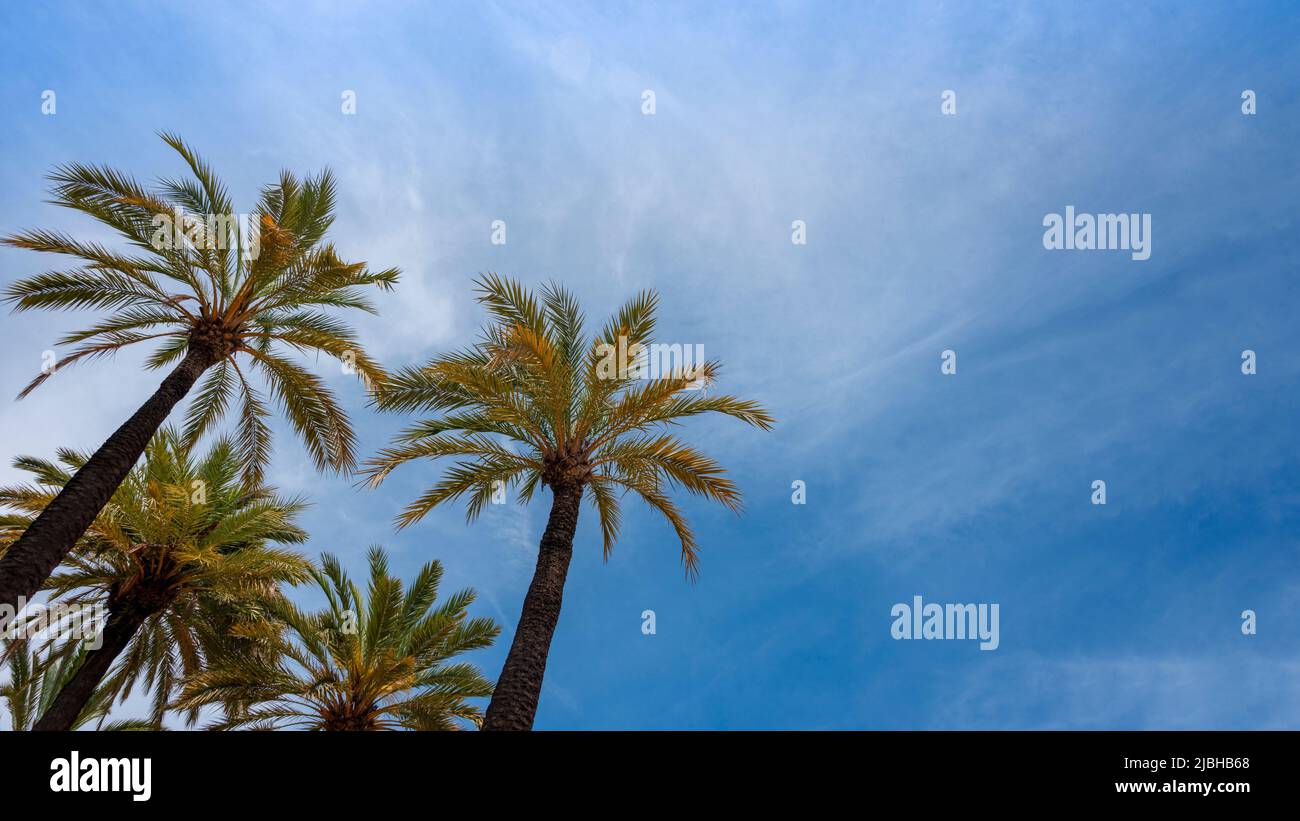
(375, 662)
(184, 554)
(538, 403)
(218, 293)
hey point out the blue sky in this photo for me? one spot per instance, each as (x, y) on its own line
(924, 234)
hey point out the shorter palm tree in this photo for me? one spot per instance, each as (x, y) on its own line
(182, 560)
(377, 663)
(34, 681)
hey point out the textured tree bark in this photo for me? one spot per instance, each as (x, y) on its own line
(514, 701)
(74, 696)
(31, 559)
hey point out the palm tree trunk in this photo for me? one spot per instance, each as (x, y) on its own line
(72, 699)
(31, 559)
(514, 701)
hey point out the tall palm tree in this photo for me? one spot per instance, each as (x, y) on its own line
(183, 560)
(34, 681)
(537, 403)
(209, 300)
(376, 663)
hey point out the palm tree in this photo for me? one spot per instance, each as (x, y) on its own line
(35, 681)
(209, 300)
(182, 560)
(360, 664)
(537, 403)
